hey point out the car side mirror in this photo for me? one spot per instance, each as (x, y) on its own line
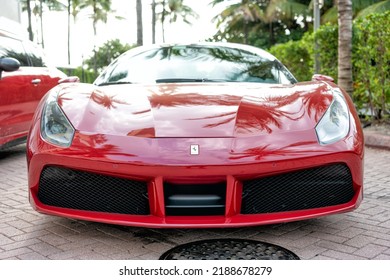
(8, 64)
(322, 78)
(70, 79)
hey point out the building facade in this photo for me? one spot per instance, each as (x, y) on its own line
(11, 9)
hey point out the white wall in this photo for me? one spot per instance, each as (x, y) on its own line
(11, 10)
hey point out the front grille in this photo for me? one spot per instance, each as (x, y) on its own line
(67, 188)
(305, 189)
(195, 199)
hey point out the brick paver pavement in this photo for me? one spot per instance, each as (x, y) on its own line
(25, 234)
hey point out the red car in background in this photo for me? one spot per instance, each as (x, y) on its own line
(25, 77)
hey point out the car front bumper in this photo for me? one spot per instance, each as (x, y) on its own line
(177, 189)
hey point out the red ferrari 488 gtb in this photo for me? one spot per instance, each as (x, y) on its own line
(197, 135)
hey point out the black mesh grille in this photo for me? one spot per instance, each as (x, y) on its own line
(306, 189)
(81, 190)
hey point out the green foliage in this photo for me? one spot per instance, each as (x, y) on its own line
(262, 23)
(327, 42)
(372, 63)
(85, 75)
(106, 54)
(298, 56)
(360, 8)
(295, 55)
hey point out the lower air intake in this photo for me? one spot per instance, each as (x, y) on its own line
(306, 189)
(67, 188)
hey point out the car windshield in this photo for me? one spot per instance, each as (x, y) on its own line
(195, 63)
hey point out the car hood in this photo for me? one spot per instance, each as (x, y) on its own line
(194, 110)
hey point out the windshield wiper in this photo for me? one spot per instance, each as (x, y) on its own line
(113, 83)
(190, 80)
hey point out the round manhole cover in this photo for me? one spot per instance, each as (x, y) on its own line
(228, 249)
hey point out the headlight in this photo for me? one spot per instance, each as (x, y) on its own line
(334, 125)
(55, 127)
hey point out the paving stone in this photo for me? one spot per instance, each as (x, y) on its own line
(359, 241)
(309, 252)
(336, 246)
(20, 244)
(54, 240)
(321, 257)
(14, 253)
(4, 240)
(75, 253)
(32, 256)
(11, 231)
(297, 234)
(329, 237)
(158, 247)
(337, 255)
(351, 232)
(382, 257)
(370, 251)
(44, 249)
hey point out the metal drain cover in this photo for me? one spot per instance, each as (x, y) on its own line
(228, 249)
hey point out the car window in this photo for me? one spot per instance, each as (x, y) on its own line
(13, 48)
(195, 63)
(35, 54)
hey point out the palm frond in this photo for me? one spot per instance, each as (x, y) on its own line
(285, 9)
(330, 16)
(380, 7)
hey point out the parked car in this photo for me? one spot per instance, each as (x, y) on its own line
(25, 77)
(199, 135)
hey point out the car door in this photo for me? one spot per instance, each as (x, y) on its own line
(45, 75)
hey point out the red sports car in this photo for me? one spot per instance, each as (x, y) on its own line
(198, 135)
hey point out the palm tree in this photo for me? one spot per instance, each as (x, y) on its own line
(30, 33)
(139, 23)
(154, 21)
(174, 9)
(360, 8)
(377, 7)
(100, 11)
(37, 10)
(238, 16)
(73, 8)
(345, 45)
(52, 5)
(245, 16)
(68, 10)
(41, 17)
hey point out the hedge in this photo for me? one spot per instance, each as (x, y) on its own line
(370, 59)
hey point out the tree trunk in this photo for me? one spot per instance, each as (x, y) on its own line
(41, 17)
(154, 21)
(271, 34)
(345, 45)
(94, 23)
(139, 23)
(69, 3)
(30, 32)
(246, 32)
(162, 21)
